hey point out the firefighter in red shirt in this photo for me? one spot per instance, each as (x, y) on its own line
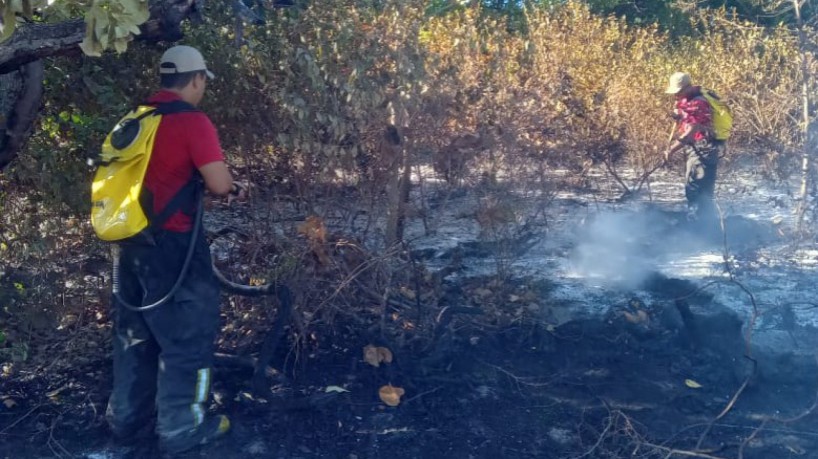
(162, 356)
(695, 136)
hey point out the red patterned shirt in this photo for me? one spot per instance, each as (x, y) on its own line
(694, 110)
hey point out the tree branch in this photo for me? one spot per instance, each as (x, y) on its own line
(32, 41)
(21, 66)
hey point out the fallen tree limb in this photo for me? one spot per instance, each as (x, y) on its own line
(230, 360)
(273, 337)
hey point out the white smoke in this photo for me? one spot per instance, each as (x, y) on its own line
(623, 248)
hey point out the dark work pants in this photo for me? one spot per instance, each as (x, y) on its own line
(162, 357)
(700, 177)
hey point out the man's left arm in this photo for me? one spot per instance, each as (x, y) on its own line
(687, 137)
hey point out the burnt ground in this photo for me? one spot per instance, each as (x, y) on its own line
(596, 388)
(661, 371)
(604, 387)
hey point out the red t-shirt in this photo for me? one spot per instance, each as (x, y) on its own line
(184, 143)
(695, 110)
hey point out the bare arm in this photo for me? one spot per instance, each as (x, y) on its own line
(685, 138)
(217, 178)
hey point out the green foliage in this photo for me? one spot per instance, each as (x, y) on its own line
(18, 352)
(112, 24)
(109, 24)
(11, 9)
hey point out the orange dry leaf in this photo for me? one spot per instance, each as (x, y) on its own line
(391, 395)
(314, 230)
(316, 233)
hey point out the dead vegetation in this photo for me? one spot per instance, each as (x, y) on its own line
(457, 99)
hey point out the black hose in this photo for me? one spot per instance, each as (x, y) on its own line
(197, 226)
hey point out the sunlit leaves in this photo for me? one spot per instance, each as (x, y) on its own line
(112, 24)
(11, 9)
(109, 24)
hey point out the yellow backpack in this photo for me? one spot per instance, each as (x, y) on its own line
(722, 116)
(117, 196)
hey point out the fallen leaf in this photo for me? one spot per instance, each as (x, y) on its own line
(54, 395)
(391, 395)
(384, 354)
(371, 355)
(638, 318)
(374, 355)
(692, 384)
(795, 449)
(9, 403)
(337, 389)
(408, 293)
(313, 229)
(316, 233)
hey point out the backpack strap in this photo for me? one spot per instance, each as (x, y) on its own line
(192, 191)
(174, 106)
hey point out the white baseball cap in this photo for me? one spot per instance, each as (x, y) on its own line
(677, 82)
(183, 59)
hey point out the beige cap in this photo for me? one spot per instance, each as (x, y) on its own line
(182, 59)
(678, 81)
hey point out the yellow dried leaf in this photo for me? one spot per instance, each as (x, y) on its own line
(692, 384)
(391, 395)
(9, 403)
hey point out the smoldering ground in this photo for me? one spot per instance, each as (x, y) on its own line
(621, 249)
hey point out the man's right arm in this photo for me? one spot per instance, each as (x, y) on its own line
(217, 178)
(206, 154)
